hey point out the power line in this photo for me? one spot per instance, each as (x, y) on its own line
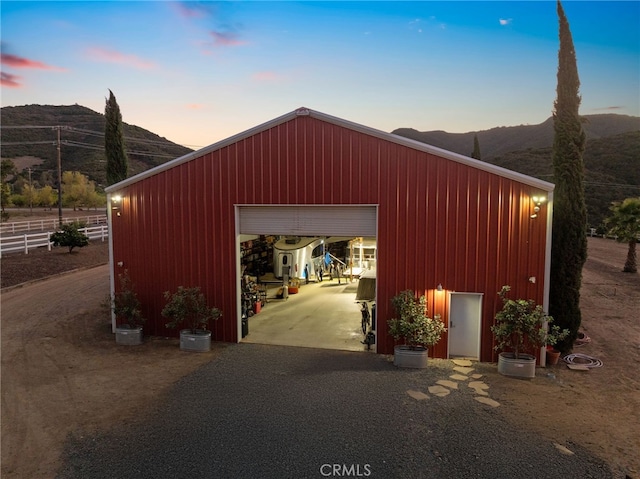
(73, 129)
(15, 143)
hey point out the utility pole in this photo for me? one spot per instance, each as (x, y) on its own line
(30, 193)
(59, 181)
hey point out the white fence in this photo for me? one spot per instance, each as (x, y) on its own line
(24, 243)
(50, 224)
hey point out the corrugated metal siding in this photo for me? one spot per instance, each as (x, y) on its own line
(439, 221)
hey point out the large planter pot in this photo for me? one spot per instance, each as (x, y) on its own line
(128, 336)
(523, 367)
(199, 341)
(404, 357)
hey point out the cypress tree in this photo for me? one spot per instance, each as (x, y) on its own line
(476, 148)
(117, 161)
(569, 239)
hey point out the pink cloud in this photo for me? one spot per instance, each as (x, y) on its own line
(226, 39)
(112, 56)
(20, 62)
(266, 77)
(10, 81)
(192, 10)
(195, 106)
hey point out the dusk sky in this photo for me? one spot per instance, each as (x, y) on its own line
(199, 72)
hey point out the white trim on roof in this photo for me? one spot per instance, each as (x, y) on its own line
(400, 140)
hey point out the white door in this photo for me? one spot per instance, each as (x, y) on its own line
(465, 315)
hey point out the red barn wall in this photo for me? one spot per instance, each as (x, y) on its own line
(439, 221)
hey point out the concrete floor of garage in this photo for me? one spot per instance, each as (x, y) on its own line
(321, 315)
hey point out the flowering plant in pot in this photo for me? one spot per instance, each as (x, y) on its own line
(187, 307)
(128, 311)
(414, 328)
(521, 327)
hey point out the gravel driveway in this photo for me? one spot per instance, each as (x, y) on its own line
(261, 411)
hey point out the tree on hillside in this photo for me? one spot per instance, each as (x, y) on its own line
(117, 161)
(569, 240)
(77, 190)
(476, 148)
(47, 197)
(625, 225)
(7, 167)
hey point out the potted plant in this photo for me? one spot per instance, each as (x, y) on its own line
(521, 327)
(128, 311)
(188, 307)
(415, 329)
(551, 337)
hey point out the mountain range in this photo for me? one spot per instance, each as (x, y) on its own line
(612, 155)
(505, 139)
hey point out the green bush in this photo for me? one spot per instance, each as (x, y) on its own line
(70, 236)
(414, 326)
(188, 307)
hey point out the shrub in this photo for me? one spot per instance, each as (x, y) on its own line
(70, 236)
(126, 305)
(188, 306)
(520, 326)
(414, 326)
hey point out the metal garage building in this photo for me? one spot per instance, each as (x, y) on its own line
(440, 218)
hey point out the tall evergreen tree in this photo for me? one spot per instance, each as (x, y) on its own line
(569, 239)
(117, 161)
(476, 148)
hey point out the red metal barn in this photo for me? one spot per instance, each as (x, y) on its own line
(440, 218)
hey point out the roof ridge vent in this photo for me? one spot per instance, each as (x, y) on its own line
(303, 111)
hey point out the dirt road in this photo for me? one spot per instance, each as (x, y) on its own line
(62, 372)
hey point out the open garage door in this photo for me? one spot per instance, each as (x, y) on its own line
(323, 313)
(347, 220)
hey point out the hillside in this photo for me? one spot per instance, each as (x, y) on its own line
(612, 155)
(612, 170)
(501, 140)
(82, 140)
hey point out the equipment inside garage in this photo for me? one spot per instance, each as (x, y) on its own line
(309, 291)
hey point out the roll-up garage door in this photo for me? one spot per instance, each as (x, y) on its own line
(343, 220)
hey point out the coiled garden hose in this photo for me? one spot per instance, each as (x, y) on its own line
(582, 360)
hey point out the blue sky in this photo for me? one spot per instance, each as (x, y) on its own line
(199, 72)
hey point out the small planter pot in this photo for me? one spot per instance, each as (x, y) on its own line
(404, 357)
(552, 357)
(128, 336)
(523, 367)
(200, 341)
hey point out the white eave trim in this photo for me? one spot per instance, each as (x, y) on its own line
(400, 140)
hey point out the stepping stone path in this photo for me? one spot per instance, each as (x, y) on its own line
(448, 384)
(463, 369)
(462, 362)
(420, 396)
(439, 391)
(487, 401)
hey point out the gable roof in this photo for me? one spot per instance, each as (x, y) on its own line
(416, 145)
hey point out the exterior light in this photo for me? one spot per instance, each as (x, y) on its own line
(439, 288)
(537, 201)
(116, 200)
